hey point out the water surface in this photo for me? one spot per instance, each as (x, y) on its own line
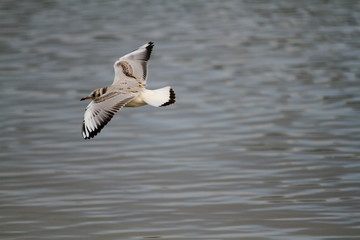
(263, 142)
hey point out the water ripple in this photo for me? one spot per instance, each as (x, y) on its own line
(263, 142)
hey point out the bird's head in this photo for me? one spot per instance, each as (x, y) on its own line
(94, 94)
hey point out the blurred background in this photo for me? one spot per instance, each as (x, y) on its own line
(263, 142)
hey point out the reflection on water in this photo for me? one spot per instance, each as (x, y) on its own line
(263, 142)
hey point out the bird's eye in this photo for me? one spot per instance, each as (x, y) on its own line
(93, 95)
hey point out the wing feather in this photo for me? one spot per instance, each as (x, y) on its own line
(131, 69)
(101, 110)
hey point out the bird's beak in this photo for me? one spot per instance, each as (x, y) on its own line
(84, 98)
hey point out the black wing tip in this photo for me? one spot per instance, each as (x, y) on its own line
(172, 98)
(91, 134)
(95, 132)
(149, 49)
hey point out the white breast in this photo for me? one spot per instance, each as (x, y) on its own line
(136, 102)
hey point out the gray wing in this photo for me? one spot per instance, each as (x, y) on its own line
(131, 69)
(101, 110)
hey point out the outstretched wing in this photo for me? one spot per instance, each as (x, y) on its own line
(131, 69)
(100, 111)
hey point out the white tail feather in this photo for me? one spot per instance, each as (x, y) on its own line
(160, 97)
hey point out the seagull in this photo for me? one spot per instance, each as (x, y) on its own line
(127, 90)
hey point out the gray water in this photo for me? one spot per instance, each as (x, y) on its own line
(263, 142)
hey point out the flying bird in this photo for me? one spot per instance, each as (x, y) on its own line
(127, 90)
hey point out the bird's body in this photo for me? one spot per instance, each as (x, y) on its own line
(127, 90)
